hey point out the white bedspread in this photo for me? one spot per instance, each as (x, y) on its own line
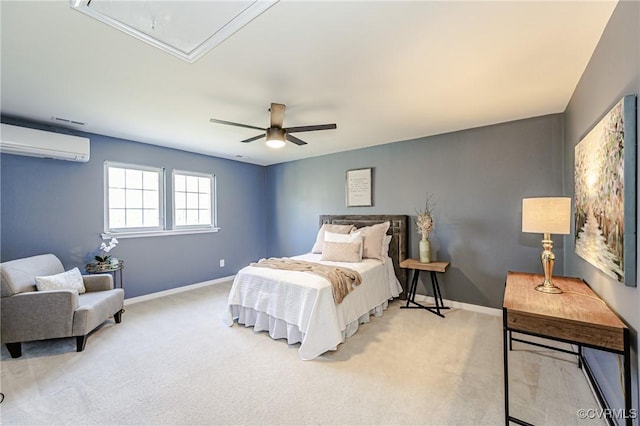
(299, 306)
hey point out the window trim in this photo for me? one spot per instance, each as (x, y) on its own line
(160, 233)
(212, 200)
(121, 232)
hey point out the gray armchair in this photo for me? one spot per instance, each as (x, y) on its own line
(28, 314)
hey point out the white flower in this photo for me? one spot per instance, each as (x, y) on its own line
(107, 248)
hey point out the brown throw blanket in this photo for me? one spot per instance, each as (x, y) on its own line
(342, 279)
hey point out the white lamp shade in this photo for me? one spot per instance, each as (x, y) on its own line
(550, 215)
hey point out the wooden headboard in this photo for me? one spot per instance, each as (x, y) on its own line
(398, 230)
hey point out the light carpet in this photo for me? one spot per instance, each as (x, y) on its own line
(173, 360)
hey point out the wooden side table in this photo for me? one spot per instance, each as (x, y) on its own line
(432, 268)
(101, 268)
(576, 316)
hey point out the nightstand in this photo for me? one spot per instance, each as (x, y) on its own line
(433, 268)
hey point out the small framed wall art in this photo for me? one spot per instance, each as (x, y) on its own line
(358, 187)
(605, 193)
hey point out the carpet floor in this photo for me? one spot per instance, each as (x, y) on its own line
(173, 360)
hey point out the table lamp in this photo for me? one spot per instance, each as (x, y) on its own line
(547, 215)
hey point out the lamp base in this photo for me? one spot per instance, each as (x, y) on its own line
(548, 259)
(548, 288)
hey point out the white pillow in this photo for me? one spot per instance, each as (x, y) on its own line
(354, 237)
(338, 229)
(385, 246)
(343, 238)
(70, 280)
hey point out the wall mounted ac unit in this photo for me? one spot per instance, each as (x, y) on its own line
(38, 143)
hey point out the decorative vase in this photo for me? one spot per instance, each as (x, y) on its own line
(425, 250)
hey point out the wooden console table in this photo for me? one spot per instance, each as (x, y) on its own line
(432, 268)
(576, 316)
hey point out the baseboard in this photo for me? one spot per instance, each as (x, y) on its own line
(460, 305)
(419, 298)
(170, 291)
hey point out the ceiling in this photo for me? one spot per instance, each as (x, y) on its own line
(383, 71)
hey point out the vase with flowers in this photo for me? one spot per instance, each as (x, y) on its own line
(424, 223)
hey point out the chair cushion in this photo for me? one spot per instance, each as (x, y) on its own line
(19, 276)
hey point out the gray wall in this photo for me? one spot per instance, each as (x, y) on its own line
(57, 206)
(613, 72)
(478, 178)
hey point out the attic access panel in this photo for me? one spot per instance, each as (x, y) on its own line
(187, 30)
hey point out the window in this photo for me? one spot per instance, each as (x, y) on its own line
(193, 200)
(137, 204)
(134, 198)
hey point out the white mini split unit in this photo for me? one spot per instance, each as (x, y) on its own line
(38, 143)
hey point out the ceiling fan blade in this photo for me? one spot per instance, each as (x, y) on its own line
(295, 140)
(231, 123)
(277, 115)
(255, 138)
(311, 128)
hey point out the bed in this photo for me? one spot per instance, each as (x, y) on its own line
(300, 306)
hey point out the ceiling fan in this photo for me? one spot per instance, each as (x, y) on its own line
(275, 133)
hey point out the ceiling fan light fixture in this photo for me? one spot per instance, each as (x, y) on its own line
(275, 144)
(275, 138)
(276, 135)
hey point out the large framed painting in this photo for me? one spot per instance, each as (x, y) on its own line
(605, 193)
